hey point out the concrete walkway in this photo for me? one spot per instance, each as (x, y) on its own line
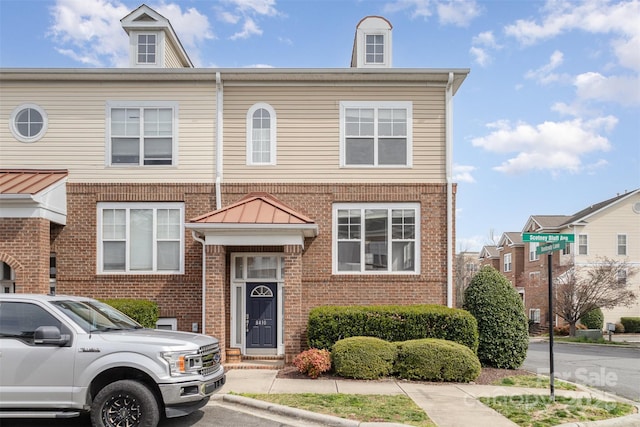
(448, 405)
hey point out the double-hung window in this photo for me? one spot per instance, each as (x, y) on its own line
(377, 134)
(261, 135)
(376, 238)
(583, 244)
(142, 134)
(140, 238)
(507, 263)
(533, 255)
(622, 244)
(374, 49)
(147, 48)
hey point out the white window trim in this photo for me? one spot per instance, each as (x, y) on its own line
(388, 206)
(533, 253)
(133, 47)
(137, 205)
(172, 322)
(14, 129)
(407, 105)
(272, 135)
(385, 49)
(578, 245)
(626, 244)
(510, 263)
(141, 104)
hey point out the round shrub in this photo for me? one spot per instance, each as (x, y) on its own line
(502, 324)
(364, 358)
(593, 319)
(433, 359)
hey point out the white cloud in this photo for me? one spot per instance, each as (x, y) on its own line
(482, 45)
(249, 28)
(462, 173)
(624, 90)
(456, 12)
(553, 146)
(545, 75)
(89, 31)
(257, 7)
(480, 56)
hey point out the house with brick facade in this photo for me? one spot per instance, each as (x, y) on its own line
(236, 199)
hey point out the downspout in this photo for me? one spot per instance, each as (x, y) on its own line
(218, 141)
(448, 172)
(204, 277)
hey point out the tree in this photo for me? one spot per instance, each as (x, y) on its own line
(502, 326)
(581, 289)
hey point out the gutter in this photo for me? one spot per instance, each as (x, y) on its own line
(204, 277)
(219, 138)
(449, 177)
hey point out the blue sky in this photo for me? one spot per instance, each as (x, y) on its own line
(547, 122)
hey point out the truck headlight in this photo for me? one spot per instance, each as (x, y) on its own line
(183, 362)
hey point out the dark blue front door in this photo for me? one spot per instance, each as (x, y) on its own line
(261, 312)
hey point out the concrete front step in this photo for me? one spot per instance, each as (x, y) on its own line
(257, 362)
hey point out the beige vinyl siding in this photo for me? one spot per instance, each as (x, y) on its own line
(75, 139)
(171, 59)
(308, 133)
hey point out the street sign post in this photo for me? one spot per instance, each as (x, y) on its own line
(548, 237)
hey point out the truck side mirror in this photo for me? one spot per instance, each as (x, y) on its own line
(50, 335)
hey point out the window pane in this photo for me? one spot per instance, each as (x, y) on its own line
(113, 224)
(168, 256)
(392, 151)
(376, 239)
(403, 256)
(157, 151)
(359, 151)
(125, 150)
(262, 267)
(168, 224)
(348, 256)
(141, 242)
(403, 224)
(359, 121)
(113, 256)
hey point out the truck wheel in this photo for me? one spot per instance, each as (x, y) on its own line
(125, 403)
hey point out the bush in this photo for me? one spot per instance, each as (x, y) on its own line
(631, 324)
(313, 362)
(619, 328)
(436, 360)
(502, 324)
(142, 311)
(593, 319)
(563, 330)
(363, 358)
(329, 324)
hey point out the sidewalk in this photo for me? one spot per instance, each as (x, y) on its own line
(448, 405)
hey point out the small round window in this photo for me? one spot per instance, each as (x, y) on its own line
(28, 123)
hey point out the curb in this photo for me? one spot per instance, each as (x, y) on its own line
(325, 420)
(627, 421)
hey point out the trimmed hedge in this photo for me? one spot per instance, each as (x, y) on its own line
(142, 311)
(631, 324)
(502, 324)
(329, 324)
(363, 358)
(433, 359)
(593, 319)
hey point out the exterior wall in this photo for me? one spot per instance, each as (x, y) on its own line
(171, 59)
(24, 245)
(517, 263)
(308, 133)
(77, 112)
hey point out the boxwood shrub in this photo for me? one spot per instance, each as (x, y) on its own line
(631, 324)
(593, 319)
(329, 324)
(363, 358)
(434, 359)
(502, 324)
(142, 311)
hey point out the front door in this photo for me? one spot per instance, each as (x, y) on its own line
(261, 315)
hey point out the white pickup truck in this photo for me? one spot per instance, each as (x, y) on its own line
(63, 355)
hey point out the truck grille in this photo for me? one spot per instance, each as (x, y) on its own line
(210, 359)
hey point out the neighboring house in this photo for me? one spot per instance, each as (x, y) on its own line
(467, 265)
(610, 229)
(236, 199)
(489, 256)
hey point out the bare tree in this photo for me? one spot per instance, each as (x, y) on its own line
(603, 285)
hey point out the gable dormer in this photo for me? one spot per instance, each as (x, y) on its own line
(372, 44)
(152, 41)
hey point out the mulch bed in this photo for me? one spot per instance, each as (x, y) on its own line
(487, 376)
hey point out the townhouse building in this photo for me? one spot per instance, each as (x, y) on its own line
(236, 199)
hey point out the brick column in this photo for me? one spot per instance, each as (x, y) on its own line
(25, 244)
(294, 324)
(215, 290)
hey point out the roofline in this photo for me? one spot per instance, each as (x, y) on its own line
(577, 220)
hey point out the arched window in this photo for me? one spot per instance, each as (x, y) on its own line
(261, 135)
(262, 292)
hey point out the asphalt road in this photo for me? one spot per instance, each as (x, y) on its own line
(614, 369)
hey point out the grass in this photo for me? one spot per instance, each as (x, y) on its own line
(539, 411)
(365, 408)
(534, 381)
(586, 340)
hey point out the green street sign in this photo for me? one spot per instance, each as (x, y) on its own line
(548, 237)
(551, 247)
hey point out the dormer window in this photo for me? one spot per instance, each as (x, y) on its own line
(374, 49)
(147, 48)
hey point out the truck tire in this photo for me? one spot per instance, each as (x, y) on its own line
(125, 403)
